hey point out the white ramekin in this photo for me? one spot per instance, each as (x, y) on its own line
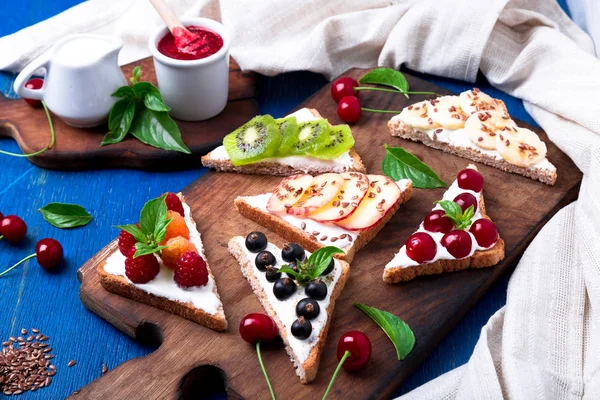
(194, 89)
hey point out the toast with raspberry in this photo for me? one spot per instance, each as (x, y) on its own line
(186, 287)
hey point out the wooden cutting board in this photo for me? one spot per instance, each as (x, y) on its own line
(192, 359)
(77, 149)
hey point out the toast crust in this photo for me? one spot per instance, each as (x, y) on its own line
(293, 234)
(479, 259)
(307, 371)
(119, 285)
(400, 129)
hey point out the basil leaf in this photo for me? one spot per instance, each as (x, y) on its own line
(136, 75)
(124, 91)
(320, 259)
(153, 213)
(400, 164)
(386, 77)
(154, 101)
(397, 330)
(455, 213)
(119, 121)
(142, 249)
(135, 231)
(161, 230)
(288, 271)
(62, 215)
(159, 130)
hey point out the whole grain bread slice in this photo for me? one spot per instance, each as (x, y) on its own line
(479, 259)
(120, 285)
(306, 370)
(400, 129)
(293, 234)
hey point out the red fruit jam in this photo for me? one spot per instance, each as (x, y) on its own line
(213, 41)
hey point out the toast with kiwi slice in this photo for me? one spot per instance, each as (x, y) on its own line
(302, 142)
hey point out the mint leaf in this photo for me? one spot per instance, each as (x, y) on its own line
(386, 77)
(119, 121)
(159, 130)
(455, 213)
(142, 249)
(135, 231)
(124, 91)
(153, 213)
(136, 75)
(320, 259)
(63, 215)
(397, 330)
(400, 164)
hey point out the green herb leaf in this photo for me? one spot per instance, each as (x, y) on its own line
(119, 121)
(160, 230)
(455, 213)
(159, 130)
(151, 95)
(320, 259)
(142, 249)
(289, 271)
(135, 231)
(397, 330)
(124, 91)
(62, 215)
(136, 75)
(400, 164)
(153, 213)
(386, 77)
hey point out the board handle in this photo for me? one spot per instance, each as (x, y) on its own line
(42, 61)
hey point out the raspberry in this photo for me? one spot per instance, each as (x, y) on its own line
(176, 247)
(127, 244)
(174, 203)
(191, 271)
(176, 227)
(142, 269)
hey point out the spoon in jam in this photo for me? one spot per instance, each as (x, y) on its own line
(185, 40)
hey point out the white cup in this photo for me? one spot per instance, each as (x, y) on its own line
(194, 89)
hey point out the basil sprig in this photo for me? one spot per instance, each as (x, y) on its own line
(142, 112)
(152, 228)
(63, 215)
(397, 330)
(400, 164)
(461, 219)
(313, 266)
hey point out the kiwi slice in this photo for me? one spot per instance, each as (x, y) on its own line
(340, 141)
(257, 139)
(311, 134)
(288, 129)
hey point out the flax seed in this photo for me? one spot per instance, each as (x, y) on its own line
(71, 363)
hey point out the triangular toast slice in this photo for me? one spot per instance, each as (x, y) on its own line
(349, 236)
(218, 159)
(304, 353)
(477, 127)
(199, 304)
(402, 268)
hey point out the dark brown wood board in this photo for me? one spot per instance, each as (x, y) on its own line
(431, 305)
(77, 149)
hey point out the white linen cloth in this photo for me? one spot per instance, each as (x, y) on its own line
(544, 344)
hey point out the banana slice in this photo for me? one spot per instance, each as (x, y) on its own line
(475, 100)
(483, 127)
(446, 111)
(416, 115)
(520, 146)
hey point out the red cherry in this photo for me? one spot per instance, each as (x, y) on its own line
(349, 109)
(256, 327)
(342, 87)
(421, 247)
(359, 346)
(13, 228)
(34, 84)
(469, 179)
(458, 243)
(464, 200)
(49, 253)
(436, 221)
(485, 232)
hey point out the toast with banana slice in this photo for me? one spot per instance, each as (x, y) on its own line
(477, 127)
(291, 150)
(457, 234)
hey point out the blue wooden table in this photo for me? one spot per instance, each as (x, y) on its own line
(30, 297)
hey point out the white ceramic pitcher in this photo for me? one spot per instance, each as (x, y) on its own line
(81, 74)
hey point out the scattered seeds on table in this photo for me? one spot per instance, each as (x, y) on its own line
(71, 363)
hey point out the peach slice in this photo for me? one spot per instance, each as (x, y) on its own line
(289, 191)
(346, 201)
(321, 191)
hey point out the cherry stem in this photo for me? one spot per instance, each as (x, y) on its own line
(393, 91)
(380, 111)
(52, 140)
(262, 366)
(337, 370)
(19, 263)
